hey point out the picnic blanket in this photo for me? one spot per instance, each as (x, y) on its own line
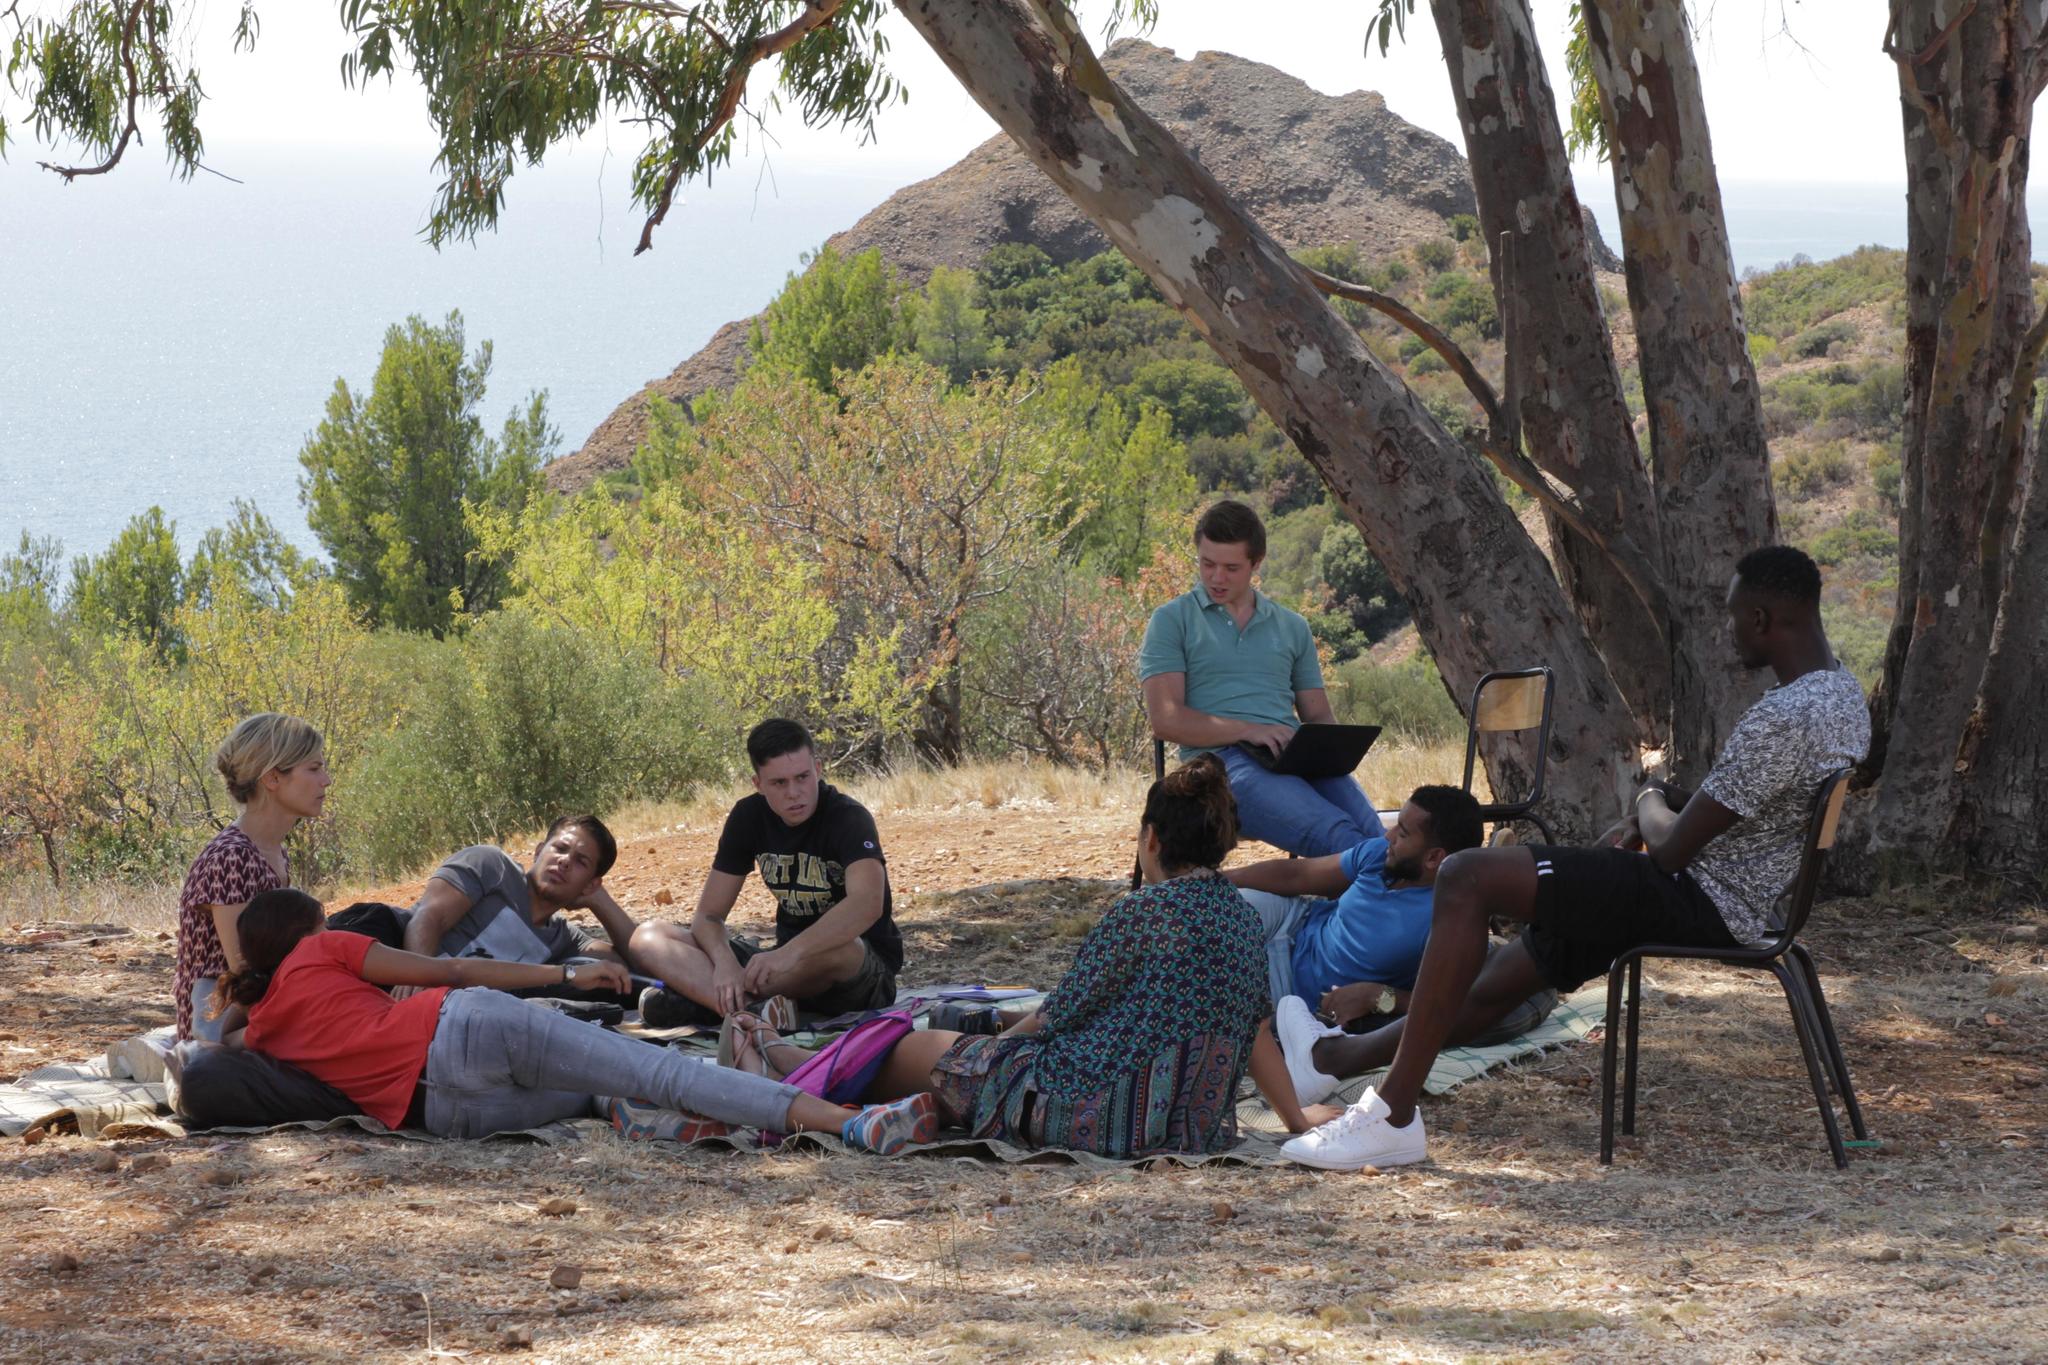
(105, 1101)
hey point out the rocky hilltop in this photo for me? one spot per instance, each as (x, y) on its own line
(1314, 170)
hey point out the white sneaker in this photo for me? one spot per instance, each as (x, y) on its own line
(1360, 1136)
(1297, 1031)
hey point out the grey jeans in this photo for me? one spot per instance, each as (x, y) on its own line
(501, 1065)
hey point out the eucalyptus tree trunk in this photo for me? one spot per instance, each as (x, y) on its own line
(1563, 384)
(1480, 589)
(1708, 457)
(2001, 767)
(1947, 712)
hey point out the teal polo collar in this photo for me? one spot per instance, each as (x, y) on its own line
(1262, 605)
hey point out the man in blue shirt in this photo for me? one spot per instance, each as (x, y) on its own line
(1224, 664)
(1361, 915)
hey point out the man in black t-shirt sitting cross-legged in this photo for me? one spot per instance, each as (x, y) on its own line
(836, 945)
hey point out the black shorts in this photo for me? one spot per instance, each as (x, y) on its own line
(871, 987)
(1594, 904)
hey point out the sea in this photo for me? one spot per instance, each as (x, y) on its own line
(174, 344)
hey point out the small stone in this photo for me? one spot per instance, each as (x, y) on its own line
(262, 1272)
(1887, 1256)
(790, 1248)
(106, 1160)
(64, 1263)
(623, 1294)
(1461, 1125)
(1511, 1244)
(512, 1338)
(566, 1276)
(219, 1175)
(2003, 985)
(557, 1207)
(664, 897)
(1003, 1198)
(1095, 1217)
(1222, 1211)
(149, 1161)
(1368, 1170)
(1022, 1257)
(2005, 1227)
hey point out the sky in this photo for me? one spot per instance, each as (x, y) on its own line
(1797, 90)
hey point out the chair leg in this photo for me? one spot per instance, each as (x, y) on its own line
(1628, 1072)
(1809, 1046)
(1607, 1056)
(1837, 1062)
(1533, 818)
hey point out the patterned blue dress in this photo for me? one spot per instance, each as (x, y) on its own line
(1145, 1039)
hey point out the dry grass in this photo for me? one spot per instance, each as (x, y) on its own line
(1721, 1233)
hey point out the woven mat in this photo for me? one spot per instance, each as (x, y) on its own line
(105, 1105)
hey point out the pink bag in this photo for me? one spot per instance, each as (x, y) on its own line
(844, 1068)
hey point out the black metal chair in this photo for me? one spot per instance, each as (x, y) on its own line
(1503, 703)
(1782, 956)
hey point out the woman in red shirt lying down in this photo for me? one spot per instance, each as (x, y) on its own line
(466, 1062)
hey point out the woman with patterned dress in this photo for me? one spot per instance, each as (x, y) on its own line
(1141, 1047)
(276, 770)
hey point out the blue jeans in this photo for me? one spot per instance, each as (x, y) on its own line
(205, 1025)
(1312, 818)
(1280, 919)
(502, 1065)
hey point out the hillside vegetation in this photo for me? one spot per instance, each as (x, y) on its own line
(931, 521)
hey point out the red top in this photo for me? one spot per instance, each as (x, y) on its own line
(321, 1016)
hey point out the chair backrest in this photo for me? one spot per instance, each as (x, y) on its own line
(1510, 701)
(1821, 826)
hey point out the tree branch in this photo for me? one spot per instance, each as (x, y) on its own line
(816, 15)
(1505, 452)
(129, 131)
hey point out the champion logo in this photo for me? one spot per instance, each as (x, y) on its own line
(1543, 867)
(867, 843)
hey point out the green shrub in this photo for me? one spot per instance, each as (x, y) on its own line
(1407, 699)
(1858, 638)
(1863, 535)
(1820, 340)
(1436, 254)
(1463, 226)
(1885, 474)
(1806, 470)
(1763, 350)
(1793, 297)
(1428, 362)
(523, 722)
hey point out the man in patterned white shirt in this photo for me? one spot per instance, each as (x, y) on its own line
(1700, 868)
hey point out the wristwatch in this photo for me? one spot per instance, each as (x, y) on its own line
(568, 973)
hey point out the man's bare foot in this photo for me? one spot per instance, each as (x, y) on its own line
(1361, 1000)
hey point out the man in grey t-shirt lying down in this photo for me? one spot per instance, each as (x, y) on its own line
(1710, 867)
(480, 903)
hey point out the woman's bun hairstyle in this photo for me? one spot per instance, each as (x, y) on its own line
(1194, 814)
(270, 926)
(264, 743)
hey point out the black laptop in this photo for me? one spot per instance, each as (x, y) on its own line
(1317, 750)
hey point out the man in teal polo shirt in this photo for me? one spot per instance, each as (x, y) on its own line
(1224, 664)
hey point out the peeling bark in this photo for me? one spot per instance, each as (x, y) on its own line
(1709, 460)
(1482, 594)
(2001, 766)
(1567, 399)
(1960, 657)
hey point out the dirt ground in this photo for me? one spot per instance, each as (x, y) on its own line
(1723, 1232)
